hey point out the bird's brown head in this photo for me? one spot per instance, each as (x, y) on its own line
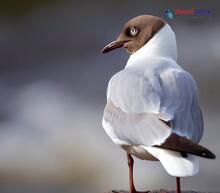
(136, 33)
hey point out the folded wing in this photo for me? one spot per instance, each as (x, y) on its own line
(138, 100)
(136, 129)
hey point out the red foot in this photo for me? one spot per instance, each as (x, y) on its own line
(123, 191)
(141, 192)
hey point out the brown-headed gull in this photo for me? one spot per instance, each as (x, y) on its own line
(152, 108)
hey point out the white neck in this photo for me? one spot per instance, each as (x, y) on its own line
(162, 44)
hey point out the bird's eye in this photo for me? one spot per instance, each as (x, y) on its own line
(133, 31)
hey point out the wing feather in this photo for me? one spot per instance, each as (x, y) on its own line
(140, 98)
(136, 129)
(182, 144)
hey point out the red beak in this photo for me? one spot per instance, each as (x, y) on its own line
(114, 45)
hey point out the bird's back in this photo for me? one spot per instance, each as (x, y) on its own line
(161, 87)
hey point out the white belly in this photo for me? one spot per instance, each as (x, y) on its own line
(139, 152)
(172, 161)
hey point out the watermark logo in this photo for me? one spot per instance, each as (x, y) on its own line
(168, 14)
(186, 13)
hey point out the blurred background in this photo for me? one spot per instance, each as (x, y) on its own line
(53, 80)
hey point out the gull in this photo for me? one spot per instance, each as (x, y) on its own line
(152, 108)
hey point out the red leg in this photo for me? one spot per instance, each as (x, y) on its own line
(131, 179)
(178, 189)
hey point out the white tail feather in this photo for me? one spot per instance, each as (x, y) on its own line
(174, 163)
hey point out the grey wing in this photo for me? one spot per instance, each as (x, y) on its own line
(180, 101)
